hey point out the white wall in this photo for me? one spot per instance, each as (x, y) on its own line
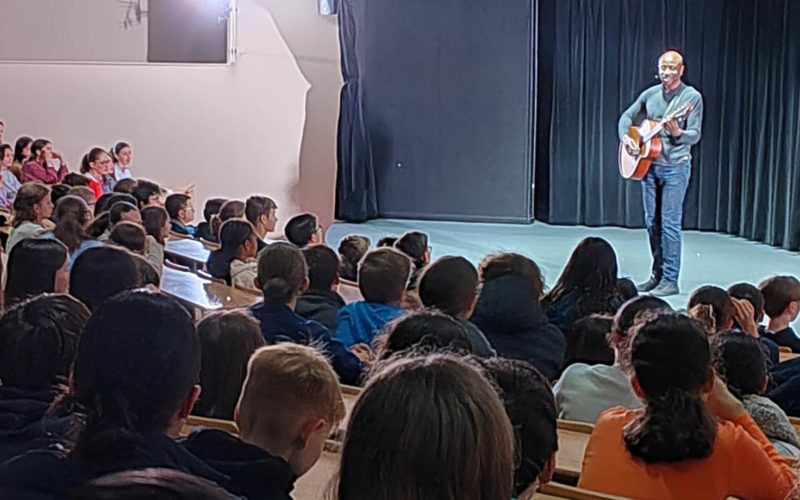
(266, 124)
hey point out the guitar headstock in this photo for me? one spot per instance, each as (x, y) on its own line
(681, 112)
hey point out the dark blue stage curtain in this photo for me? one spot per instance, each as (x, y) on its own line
(355, 181)
(743, 55)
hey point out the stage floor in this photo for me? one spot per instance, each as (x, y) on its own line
(708, 258)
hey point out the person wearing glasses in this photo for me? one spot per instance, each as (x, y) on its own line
(304, 230)
(95, 165)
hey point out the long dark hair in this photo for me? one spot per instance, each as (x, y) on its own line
(71, 215)
(591, 272)
(119, 400)
(740, 362)
(396, 441)
(19, 146)
(414, 244)
(672, 362)
(423, 331)
(153, 219)
(38, 146)
(32, 267)
(233, 234)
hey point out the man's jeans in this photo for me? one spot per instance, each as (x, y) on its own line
(663, 189)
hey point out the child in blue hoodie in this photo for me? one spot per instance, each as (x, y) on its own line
(382, 278)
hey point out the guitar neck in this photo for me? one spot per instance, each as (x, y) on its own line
(653, 132)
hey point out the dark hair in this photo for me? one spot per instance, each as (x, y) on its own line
(58, 191)
(22, 143)
(119, 209)
(720, 303)
(531, 407)
(144, 190)
(3, 148)
(154, 219)
(626, 289)
(32, 267)
(629, 313)
(740, 361)
(103, 203)
(591, 272)
(301, 228)
(154, 484)
(386, 241)
(228, 339)
(383, 274)
(401, 411)
(98, 226)
(38, 145)
(115, 198)
(508, 263)
(71, 215)
(175, 203)
(422, 331)
(116, 148)
(129, 235)
(119, 399)
(779, 292)
(351, 250)
(587, 341)
(672, 361)
(38, 340)
(102, 272)
(231, 209)
(75, 179)
(28, 195)
(414, 244)
(148, 274)
(281, 272)
(90, 157)
(750, 293)
(233, 234)
(212, 207)
(127, 186)
(84, 193)
(449, 284)
(256, 206)
(323, 267)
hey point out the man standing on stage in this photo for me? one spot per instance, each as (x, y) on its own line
(668, 177)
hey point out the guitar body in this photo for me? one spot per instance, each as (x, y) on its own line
(636, 166)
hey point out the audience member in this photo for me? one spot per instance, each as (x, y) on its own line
(422, 332)
(303, 230)
(44, 165)
(509, 314)
(210, 209)
(382, 278)
(235, 260)
(10, 182)
(626, 289)
(228, 339)
(352, 249)
(231, 209)
(181, 213)
(532, 411)
(38, 339)
(587, 341)
(147, 193)
(283, 277)
(84, 193)
(321, 302)
(96, 164)
(121, 154)
(130, 415)
(36, 266)
(675, 447)
(126, 185)
(22, 152)
(154, 484)
(73, 179)
(450, 285)
(720, 303)
(102, 272)
(782, 303)
(262, 213)
(740, 362)
(72, 218)
(386, 241)
(121, 211)
(58, 191)
(585, 391)
(587, 285)
(290, 403)
(130, 236)
(156, 223)
(751, 293)
(32, 207)
(401, 411)
(415, 245)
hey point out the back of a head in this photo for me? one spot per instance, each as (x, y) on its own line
(720, 302)
(423, 331)
(144, 190)
(628, 313)
(256, 206)
(103, 203)
(75, 179)
(323, 267)
(531, 407)
(130, 236)
(352, 249)
(28, 195)
(153, 220)
(118, 211)
(281, 272)
(102, 272)
(228, 340)
(449, 284)
(83, 193)
(300, 229)
(509, 263)
(750, 293)
(740, 361)
(154, 484)
(32, 267)
(233, 234)
(211, 207)
(626, 289)
(231, 209)
(383, 274)
(779, 292)
(38, 339)
(671, 360)
(175, 203)
(591, 270)
(386, 241)
(133, 330)
(58, 191)
(126, 186)
(71, 215)
(396, 442)
(587, 341)
(287, 383)
(414, 244)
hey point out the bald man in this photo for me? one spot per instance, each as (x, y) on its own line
(665, 184)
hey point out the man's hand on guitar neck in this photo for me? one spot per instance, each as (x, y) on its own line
(672, 128)
(630, 145)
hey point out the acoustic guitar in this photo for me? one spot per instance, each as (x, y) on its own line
(648, 140)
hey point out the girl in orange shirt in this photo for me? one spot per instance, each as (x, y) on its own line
(692, 440)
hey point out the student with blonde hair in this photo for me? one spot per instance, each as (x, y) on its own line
(289, 405)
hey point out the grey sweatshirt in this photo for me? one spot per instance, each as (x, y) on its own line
(653, 104)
